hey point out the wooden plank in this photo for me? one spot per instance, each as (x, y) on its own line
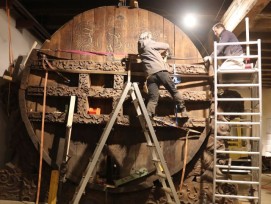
(132, 31)
(109, 34)
(143, 20)
(238, 10)
(77, 43)
(169, 35)
(184, 48)
(52, 199)
(156, 26)
(121, 31)
(261, 25)
(99, 33)
(86, 33)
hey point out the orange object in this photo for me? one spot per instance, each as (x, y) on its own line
(95, 111)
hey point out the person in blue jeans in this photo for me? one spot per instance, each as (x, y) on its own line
(157, 74)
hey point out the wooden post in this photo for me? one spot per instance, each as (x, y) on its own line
(52, 199)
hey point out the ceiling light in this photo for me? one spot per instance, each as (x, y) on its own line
(190, 20)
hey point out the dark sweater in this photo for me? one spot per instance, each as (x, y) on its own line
(150, 55)
(228, 50)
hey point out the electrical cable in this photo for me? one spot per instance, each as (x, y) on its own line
(220, 9)
(42, 135)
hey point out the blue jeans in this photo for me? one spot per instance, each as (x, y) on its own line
(153, 83)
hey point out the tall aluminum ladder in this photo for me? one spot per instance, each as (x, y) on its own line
(152, 142)
(249, 80)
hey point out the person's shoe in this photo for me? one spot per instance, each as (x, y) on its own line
(184, 113)
(182, 110)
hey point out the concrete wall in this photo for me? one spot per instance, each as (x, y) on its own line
(22, 42)
(266, 120)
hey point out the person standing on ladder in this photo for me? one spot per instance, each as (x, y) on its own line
(227, 50)
(157, 74)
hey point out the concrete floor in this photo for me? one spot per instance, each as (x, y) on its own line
(265, 189)
(265, 192)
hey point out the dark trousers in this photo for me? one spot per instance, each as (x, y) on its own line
(153, 83)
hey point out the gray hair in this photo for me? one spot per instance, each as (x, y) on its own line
(145, 35)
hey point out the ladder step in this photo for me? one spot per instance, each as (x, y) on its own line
(237, 113)
(150, 145)
(156, 160)
(237, 138)
(238, 85)
(238, 123)
(237, 182)
(135, 100)
(236, 71)
(235, 57)
(237, 152)
(237, 196)
(167, 190)
(235, 171)
(239, 167)
(238, 99)
(161, 175)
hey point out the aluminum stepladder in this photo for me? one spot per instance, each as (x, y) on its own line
(253, 84)
(152, 142)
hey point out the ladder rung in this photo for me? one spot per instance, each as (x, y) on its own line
(238, 160)
(238, 123)
(167, 190)
(161, 175)
(238, 167)
(237, 152)
(150, 145)
(234, 56)
(135, 100)
(253, 42)
(235, 171)
(237, 113)
(237, 138)
(237, 182)
(237, 196)
(236, 71)
(238, 99)
(237, 85)
(156, 160)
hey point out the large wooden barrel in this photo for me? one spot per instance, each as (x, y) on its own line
(97, 80)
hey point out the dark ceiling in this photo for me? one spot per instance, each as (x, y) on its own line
(50, 15)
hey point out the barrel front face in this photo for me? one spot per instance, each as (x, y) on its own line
(89, 52)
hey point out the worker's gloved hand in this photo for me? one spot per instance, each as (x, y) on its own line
(208, 59)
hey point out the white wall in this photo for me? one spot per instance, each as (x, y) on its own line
(22, 42)
(266, 116)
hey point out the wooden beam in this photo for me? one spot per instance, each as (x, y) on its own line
(24, 23)
(261, 25)
(238, 10)
(263, 50)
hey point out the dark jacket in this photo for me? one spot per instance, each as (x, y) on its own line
(150, 55)
(228, 50)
